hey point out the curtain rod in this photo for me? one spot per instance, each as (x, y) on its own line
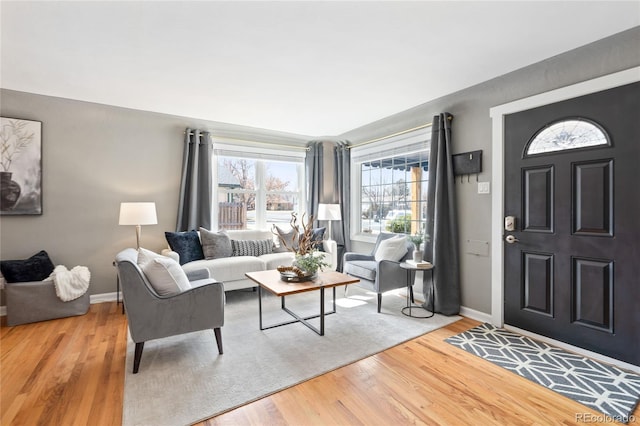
(402, 132)
(261, 143)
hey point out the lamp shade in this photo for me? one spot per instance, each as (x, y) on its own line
(138, 214)
(329, 212)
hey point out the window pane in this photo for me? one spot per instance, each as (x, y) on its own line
(236, 173)
(281, 176)
(280, 207)
(567, 134)
(236, 211)
(253, 193)
(393, 195)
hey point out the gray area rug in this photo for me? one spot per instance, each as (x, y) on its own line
(183, 380)
(604, 388)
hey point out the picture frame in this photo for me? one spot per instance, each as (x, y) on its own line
(20, 167)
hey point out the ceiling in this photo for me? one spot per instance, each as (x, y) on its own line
(307, 68)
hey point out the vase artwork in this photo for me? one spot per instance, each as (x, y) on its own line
(20, 167)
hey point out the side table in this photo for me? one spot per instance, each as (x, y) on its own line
(411, 270)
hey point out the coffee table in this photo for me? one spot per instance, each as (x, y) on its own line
(270, 280)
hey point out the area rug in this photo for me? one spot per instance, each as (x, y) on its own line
(610, 390)
(183, 380)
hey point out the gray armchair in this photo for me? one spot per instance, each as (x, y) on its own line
(151, 316)
(378, 276)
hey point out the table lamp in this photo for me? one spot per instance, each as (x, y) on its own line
(138, 214)
(329, 212)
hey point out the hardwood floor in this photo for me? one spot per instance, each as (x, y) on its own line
(71, 372)
(68, 371)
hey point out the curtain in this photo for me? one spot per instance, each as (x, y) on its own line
(313, 165)
(442, 227)
(342, 189)
(196, 192)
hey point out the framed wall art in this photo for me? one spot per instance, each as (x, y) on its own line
(20, 167)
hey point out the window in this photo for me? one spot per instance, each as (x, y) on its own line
(256, 188)
(567, 134)
(390, 185)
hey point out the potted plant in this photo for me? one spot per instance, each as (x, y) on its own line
(417, 240)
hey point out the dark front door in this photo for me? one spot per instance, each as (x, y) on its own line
(572, 183)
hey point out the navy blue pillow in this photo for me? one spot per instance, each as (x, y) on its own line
(317, 237)
(36, 268)
(186, 244)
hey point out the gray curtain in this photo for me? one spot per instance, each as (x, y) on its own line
(442, 226)
(196, 192)
(342, 189)
(313, 165)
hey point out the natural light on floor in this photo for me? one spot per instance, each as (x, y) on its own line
(353, 301)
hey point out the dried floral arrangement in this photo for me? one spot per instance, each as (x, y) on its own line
(305, 238)
(308, 258)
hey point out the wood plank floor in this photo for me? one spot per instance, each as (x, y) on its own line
(71, 372)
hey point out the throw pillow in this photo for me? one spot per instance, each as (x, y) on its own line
(215, 244)
(392, 249)
(288, 238)
(36, 268)
(164, 274)
(251, 247)
(317, 237)
(186, 244)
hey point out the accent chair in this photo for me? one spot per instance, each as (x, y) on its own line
(378, 276)
(153, 316)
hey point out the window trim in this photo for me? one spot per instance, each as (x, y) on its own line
(406, 143)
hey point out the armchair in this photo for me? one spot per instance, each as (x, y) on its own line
(378, 276)
(152, 316)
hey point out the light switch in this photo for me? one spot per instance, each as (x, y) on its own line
(484, 187)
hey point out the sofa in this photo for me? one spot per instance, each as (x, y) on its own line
(231, 270)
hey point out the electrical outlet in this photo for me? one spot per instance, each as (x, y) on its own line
(484, 187)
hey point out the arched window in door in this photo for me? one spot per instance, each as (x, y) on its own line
(567, 134)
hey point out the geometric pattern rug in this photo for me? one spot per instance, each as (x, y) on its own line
(610, 390)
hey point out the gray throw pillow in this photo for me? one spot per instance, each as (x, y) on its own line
(165, 275)
(215, 244)
(288, 238)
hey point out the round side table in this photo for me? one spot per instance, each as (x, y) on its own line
(411, 270)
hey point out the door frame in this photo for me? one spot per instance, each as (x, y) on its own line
(497, 115)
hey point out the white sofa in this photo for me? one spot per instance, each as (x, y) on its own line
(231, 270)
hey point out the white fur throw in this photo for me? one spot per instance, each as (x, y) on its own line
(70, 284)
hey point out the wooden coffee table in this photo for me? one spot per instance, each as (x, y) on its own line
(270, 280)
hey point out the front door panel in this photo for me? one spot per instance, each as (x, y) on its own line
(572, 269)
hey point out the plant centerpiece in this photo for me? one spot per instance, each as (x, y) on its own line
(308, 260)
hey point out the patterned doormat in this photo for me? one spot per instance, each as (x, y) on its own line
(605, 388)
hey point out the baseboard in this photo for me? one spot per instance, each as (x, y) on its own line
(94, 298)
(475, 315)
(104, 297)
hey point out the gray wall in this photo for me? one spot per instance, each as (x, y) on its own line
(472, 131)
(95, 157)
